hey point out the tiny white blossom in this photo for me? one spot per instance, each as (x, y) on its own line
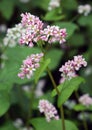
(53, 4)
(3, 28)
(13, 35)
(18, 123)
(84, 9)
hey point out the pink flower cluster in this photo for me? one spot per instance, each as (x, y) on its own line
(33, 25)
(69, 69)
(53, 34)
(48, 109)
(36, 32)
(30, 64)
(85, 100)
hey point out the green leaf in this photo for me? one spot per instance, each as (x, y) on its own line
(59, 87)
(8, 75)
(41, 69)
(55, 55)
(6, 8)
(85, 20)
(4, 102)
(77, 40)
(8, 126)
(42, 124)
(54, 15)
(68, 89)
(70, 27)
(70, 4)
(43, 4)
(80, 107)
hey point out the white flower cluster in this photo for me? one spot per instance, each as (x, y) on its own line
(53, 4)
(84, 9)
(18, 123)
(13, 35)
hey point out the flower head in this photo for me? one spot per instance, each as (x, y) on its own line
(84, 9)
(48, 109)
(53, 34)
(35, 31)
(30, 64)
(85, 100)
(69, 69)
(13, 35)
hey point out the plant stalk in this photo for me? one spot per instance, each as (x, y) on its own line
(61, 107)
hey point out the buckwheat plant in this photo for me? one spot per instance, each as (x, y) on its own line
(31, 32)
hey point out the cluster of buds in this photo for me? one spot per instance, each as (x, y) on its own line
(84, 9)
(53, 4)
(13, 35)
(48, 109)
(69, 69)
(35, 31)
(30, 65)
(85, 100)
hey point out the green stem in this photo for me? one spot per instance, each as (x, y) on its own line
(74, 18)
(62, 115)
(52, 80)
(61, 108)
(30, 106)
(84, 120)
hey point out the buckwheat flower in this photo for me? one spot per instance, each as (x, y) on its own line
(30, 64)
(33, 26)
(18, 123)
(78, 62)
(26, 88)
(26, 38)
(85, 100)
(53, 4)
(48, 109)
(68, 70)
(88, 71)
(3, 28)
(13, 35)
(36, 32)
(84, 9)
(31, 20)
(53, 34)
